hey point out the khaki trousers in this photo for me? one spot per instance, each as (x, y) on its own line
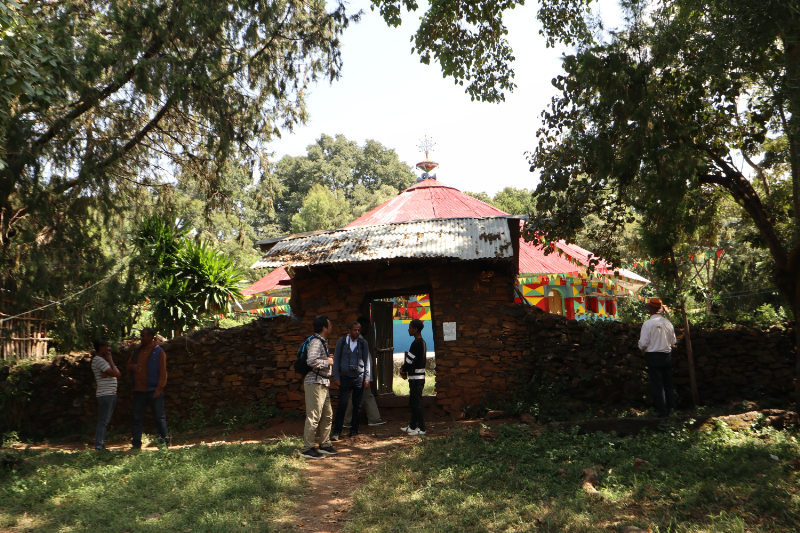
(368, 404)
(319, 416)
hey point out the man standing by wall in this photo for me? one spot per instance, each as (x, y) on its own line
(351, 371)
(657, 338)
(368, 403)
(105, 375)
(413, 369)
(317, 381)
(148, 370)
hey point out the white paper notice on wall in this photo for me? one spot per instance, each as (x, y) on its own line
(449, 331)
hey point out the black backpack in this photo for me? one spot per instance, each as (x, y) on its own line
(301, 363)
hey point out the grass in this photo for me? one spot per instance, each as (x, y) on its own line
(400, 385)
(235, 488)
(693, 482)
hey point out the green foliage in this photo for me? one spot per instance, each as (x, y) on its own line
(105, 107)
(322, 209)
(400, 385)
(511, 200)
(336, 182)
(646, 123)
(15, 392)
(190, 280)
(245, 488)
(716, 482)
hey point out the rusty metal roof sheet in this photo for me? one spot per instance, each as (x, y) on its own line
(463, 238)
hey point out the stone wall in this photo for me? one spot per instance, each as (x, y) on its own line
(498, 346)
(605, 364)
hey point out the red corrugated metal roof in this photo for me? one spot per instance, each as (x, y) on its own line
(533, 261)
(427, 200)
(268, 282)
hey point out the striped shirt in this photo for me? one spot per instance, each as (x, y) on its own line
(105, 386)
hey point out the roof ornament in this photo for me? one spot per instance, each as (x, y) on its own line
(426, 145)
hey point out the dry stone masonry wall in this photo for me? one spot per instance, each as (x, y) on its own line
(497, 347)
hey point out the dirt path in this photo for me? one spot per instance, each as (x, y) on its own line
(333, 479)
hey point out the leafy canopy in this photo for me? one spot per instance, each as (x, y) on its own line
(104, 103)
(336, 182)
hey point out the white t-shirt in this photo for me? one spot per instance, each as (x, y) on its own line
(658, 335)
(353, 343)
(105, 385)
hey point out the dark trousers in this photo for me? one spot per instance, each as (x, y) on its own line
(105, 406)
(349, 385)
(142, 400)
(659, 368)
(415, 387)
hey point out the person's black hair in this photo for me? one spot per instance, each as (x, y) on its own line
(353, 324)
(149, 331)
(417, 324)
(98, 343)
(320, 323)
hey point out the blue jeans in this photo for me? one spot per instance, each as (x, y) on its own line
(346, 386)
(141, 400)
(106, 407)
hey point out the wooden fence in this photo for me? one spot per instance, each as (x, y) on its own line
(24, 338)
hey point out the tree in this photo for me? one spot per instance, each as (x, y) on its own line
(343, 167)
(511, 200)
(131, 96)
(653, 117)
(322, 209)
(468, 39)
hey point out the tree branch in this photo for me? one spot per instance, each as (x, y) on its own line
(743, 192)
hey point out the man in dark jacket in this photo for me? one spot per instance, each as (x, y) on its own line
(148, 370)
(352, 373)
(413, 369)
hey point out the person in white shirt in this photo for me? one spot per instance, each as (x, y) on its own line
(656, 340)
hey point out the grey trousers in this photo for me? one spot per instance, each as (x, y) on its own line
(319, 416)
(368, 404)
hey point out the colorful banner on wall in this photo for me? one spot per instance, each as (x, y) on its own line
(411, 308)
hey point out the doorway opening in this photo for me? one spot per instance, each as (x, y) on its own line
(391, 316)
(554, 303)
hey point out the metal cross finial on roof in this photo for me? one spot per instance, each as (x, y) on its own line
(426, 145)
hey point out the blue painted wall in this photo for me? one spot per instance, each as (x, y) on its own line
(402, 342)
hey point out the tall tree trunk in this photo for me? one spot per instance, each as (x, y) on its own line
(687, 336)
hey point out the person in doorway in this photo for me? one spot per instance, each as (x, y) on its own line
(351, 372)
(368, 402)
(105, 375)
(148, 370)
(657, 338)
(317, 382)
(413, 369)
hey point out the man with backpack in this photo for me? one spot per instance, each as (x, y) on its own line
(317, 363)
(352, 372)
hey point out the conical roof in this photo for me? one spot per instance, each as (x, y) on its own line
(430, 199)
(427, 200)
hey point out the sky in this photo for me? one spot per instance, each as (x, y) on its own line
(386, 94)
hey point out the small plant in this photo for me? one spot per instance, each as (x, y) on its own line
(15, 392)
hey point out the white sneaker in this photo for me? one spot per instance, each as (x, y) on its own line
(407, 429)
(416, 433)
